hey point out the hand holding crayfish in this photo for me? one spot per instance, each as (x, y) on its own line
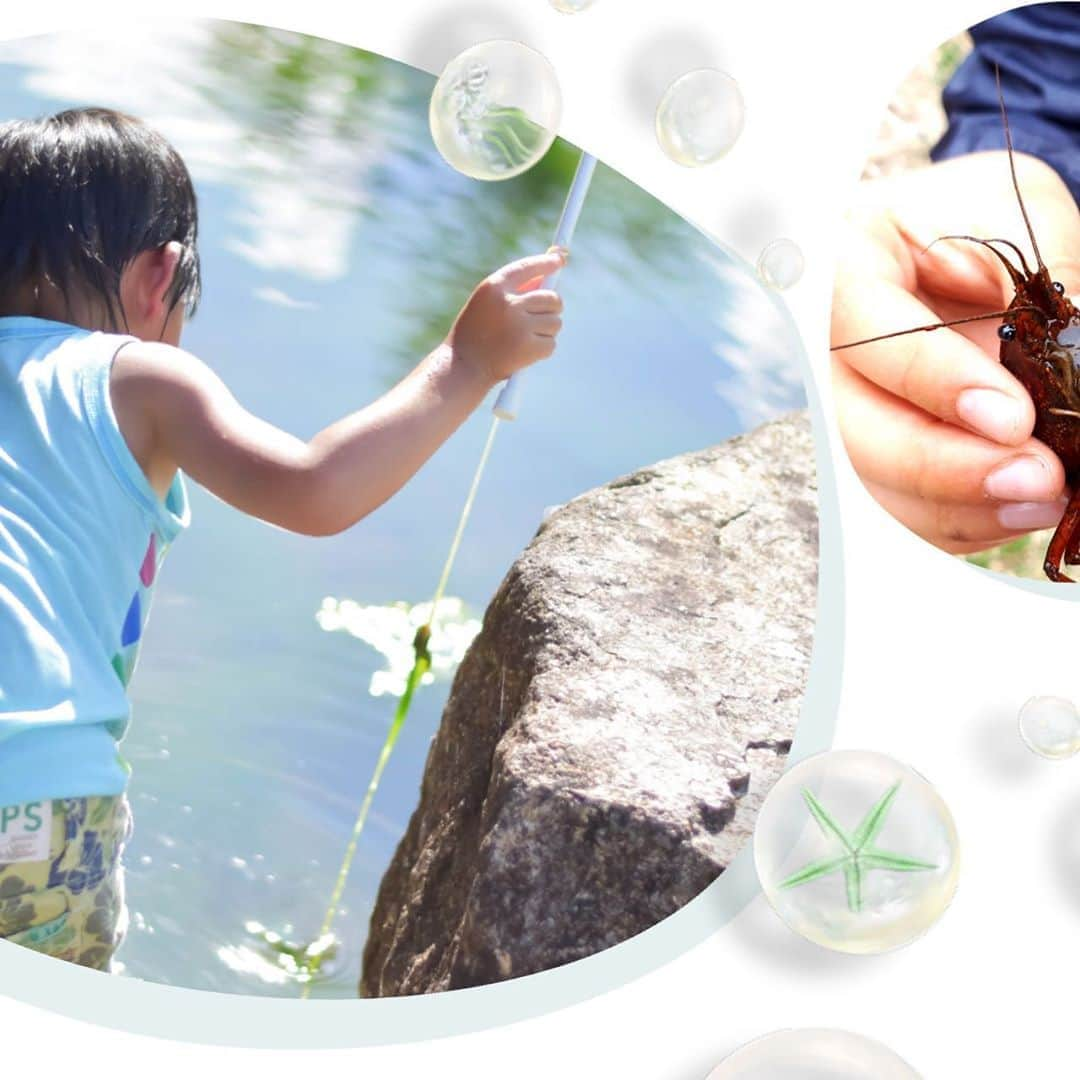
(940, 432)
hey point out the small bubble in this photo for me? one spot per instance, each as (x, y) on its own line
(1050, 726)
(781, 264)
(700, 117)
(145, 860)
(238, 863)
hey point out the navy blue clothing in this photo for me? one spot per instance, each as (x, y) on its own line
(1037, 49)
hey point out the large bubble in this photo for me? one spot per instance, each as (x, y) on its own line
(856, 851)
(813, 1054)
(700, 117)
(571, 7)
(495, 110)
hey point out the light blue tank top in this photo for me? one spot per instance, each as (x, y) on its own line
(82, 535)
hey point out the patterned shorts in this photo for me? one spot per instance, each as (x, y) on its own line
(71, 905)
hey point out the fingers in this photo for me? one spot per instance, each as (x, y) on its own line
(941, 372)
(950, 486)
(541, 346)
(892, 444)
(546, 325)
(532, 269)
(962, 529)
(540, 302)
(543, 310)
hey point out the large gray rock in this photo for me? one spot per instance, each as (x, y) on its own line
(611, 732)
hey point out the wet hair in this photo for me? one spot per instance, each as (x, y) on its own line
(84, 192)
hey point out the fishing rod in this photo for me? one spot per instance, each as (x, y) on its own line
(506, 408)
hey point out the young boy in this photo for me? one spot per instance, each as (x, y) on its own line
(100, 414)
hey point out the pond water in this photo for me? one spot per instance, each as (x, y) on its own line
(337, 247)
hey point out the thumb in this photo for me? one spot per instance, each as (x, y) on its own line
(534, 268)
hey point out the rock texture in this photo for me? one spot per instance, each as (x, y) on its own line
(612, 730)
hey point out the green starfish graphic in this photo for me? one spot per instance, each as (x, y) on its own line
(859, 853)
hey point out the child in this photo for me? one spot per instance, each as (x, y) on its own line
(100, 411)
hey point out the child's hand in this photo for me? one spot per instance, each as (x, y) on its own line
(508, 323)
(937, 429)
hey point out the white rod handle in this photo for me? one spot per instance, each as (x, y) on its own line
(508, 403)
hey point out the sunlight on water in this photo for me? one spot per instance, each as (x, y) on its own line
(390, 630)
(244, 960)
(277, 961)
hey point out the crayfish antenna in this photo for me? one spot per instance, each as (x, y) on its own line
(1012, 169)
(939, 326)
(1018, 278)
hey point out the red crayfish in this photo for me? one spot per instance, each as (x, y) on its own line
(1040, 345)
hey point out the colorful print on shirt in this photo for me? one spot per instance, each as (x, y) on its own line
(130, 633)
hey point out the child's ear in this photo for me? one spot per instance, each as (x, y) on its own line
(146, 291)
(165, 267)
(146, 284)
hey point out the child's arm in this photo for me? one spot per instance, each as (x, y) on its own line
(176, 413)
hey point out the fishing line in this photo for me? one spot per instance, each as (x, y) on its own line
(506, 407)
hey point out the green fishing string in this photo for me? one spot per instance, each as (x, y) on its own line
(421, 666)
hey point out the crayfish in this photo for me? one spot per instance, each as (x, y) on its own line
(1040, 345)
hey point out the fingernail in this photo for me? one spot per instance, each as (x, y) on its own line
(1023, 479)
(991, 413)
(1030, 515)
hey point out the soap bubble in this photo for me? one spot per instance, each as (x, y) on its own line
(571, 7)
(856, 852)
(1050, 726)
(495, 110)
(781, 264)
(813, 1054)
(700, 117)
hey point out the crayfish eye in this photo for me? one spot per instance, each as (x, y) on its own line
(1058, 288)
(1006, 331)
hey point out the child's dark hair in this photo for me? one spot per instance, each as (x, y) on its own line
(82, 193)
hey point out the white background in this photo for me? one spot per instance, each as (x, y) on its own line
(938, 657)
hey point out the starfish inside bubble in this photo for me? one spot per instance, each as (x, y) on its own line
(858, 853)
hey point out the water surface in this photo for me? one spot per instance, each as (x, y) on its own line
(337, 247)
